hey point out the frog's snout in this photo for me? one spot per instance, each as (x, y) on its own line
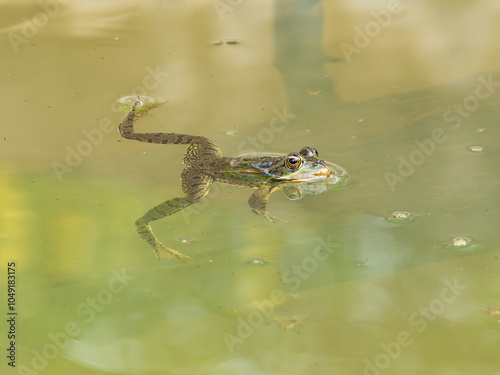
(323, 169)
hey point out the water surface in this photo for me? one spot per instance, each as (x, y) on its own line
(404, 97)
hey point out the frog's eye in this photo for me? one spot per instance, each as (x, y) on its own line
(309, 152)
(293, 161)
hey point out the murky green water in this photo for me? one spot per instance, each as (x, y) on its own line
(397, 273)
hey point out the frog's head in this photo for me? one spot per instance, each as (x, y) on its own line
(302, 166)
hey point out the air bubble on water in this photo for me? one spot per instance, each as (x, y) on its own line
(476, 148)
(461, 244)
(400, 217)
(125, 103)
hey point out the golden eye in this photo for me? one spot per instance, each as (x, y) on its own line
(293, 161)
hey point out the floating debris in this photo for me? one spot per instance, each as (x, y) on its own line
(290, 323)
(313, 92)
(461, 241)
(462, 244)
(228, 42)
(476, 148)
(400, 217)
(359, 264)
(493, 310)
(258, 262)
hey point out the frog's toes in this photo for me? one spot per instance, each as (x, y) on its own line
(271, 218)
(141, 108)
(167, 252)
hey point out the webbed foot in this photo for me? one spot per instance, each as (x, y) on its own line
(162, 251)
(141, 109)
(268, 216)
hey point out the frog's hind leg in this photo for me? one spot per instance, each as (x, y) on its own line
(126, 127)
(258, 203)
(166, 208)
(196, 186)
(202, 152)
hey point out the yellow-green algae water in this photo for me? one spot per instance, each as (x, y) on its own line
(396, 273)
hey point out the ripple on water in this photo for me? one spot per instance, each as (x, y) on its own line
(125, 103)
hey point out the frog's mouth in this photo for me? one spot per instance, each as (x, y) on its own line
(316, 171)
(324, 171)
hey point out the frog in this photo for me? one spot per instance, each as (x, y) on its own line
(204, 164)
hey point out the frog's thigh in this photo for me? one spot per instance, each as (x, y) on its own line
(258, 200)
(195, 183)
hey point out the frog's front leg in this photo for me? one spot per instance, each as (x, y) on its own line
(258, 203)
(195, 185)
